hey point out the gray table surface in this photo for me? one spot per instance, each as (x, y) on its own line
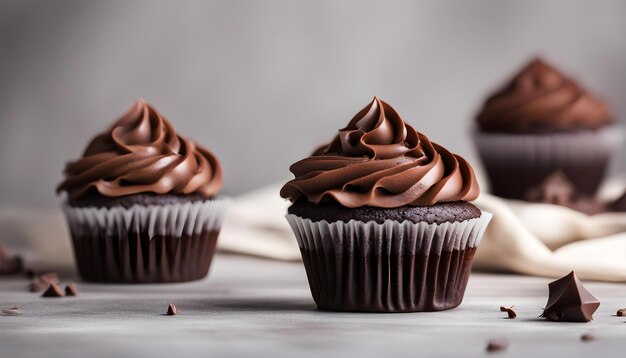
(262, 308)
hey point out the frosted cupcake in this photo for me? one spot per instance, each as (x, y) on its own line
(382, 218)
(141, 203)
(540, 123)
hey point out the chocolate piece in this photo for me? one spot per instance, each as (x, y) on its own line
(437, 213)
(11, 311)
(53, 291)
(9, 264)
(41, 282)
(71, 290)
(559, 190)
(497, 345)
(569, 301)
(172, 310)
(587, 337)
(621, 312)
(509, 310)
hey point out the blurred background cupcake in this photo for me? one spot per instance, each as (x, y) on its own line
(141, 203)
(382, 218)
(543, 123)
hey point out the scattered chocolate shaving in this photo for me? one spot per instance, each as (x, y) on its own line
(10, 264)
(11, 311)
(41, 282)
(587, 337)
(172, 310)
(621, 312)
(53, 291)
(71, 290)
(497, 345)
(569, 301)
(509, 310)
(558, 189)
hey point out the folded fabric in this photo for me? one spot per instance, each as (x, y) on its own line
(526, 238)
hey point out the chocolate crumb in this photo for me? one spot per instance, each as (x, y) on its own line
(172, 310)
(497, 345)
(71, 290)
(509, 310)
(53, 291)
(11, 311)
(587, 337)
(621, 312)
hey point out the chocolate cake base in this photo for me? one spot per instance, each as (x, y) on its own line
(137, 258)
(438, 213)
(126, 201)
(389, 283)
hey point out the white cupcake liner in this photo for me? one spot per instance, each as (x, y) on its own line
(408, 237)
(550, 149)
(173, 220)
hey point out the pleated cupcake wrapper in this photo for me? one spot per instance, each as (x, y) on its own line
(152, 243)
(518, 162)
(388, 267)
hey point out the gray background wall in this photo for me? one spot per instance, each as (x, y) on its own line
(261, 83)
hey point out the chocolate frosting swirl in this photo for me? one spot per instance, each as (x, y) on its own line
(142, 153)
(541, 99)
(378, 160)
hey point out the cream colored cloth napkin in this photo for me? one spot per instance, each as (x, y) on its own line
(532, 239)
(526, 238)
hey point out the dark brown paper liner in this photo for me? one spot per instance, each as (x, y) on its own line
(134, 257)
(388, 283)
(145, 244)
(390, 267)
(516, 163)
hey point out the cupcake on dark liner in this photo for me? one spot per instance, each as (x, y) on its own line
(142, 204)
(382, 219)
(540, 123)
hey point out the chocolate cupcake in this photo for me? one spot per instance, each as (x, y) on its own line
(382, 219)
(540, 123)
(141, 203)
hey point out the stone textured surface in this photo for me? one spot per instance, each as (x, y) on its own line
(261, 308)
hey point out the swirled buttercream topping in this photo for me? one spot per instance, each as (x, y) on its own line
(378, 160)
(142, 153)
(541, 99)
